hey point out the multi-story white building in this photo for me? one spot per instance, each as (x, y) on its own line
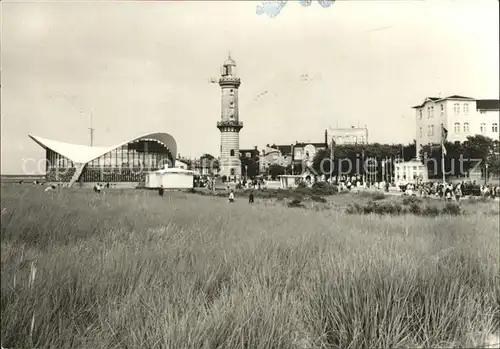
(461, 116)
(352, 135)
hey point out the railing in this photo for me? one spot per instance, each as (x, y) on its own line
(230, 123)
(229, 78)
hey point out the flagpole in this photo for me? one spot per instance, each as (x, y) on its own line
(442, 154)
(331, 161)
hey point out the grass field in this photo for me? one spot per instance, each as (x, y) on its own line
(128, 269)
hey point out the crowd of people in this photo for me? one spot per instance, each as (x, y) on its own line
(447, 191)
(210, 182)
(98, 187)
(450, 191)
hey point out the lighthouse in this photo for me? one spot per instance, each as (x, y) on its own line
(229, 124)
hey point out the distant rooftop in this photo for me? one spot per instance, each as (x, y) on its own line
(489, 104)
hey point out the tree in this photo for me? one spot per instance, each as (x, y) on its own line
(460, 158)
(479, 148)
(276, 170)
(321, 162)
(252, 167)
(207, 156)
(494, 159)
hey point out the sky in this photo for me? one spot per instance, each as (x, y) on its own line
(140, 67)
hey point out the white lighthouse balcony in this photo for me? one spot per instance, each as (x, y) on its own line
(230, 123)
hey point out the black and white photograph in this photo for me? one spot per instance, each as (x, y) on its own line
(250, 174)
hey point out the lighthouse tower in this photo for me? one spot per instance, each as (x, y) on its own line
(229, 125)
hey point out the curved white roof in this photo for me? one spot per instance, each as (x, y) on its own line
(84, 153)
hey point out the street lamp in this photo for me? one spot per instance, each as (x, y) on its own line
(486, 174)
(383, 170)
(246, 172)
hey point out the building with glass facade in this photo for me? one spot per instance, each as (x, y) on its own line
(124, 162)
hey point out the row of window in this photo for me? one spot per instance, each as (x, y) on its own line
(149, 154)
(430, 130)
(457, 128)
(97, 175)
(482, 127)
(415, 176)
(494, 127)
(456, 109)
(414, 168)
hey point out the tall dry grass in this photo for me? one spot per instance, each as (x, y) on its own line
(129, 269)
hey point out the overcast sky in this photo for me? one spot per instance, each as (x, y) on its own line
(141, 67)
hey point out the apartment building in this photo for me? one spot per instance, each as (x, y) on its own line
(461, 116)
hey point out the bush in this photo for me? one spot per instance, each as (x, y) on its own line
(295, 203)
(354, 209)
(303, 190)
(431, 211)
(415, 209)
(302, 185)
(318, 198)
(376, 196)
(389, 208)
(324, 188)
(377, 208)
(410, 200)
(452, 209)
(474, 200)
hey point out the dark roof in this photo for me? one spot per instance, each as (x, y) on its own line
(317, 145)
(435, 99)
(460, 97)
(425, 100)
(249, 150)
(287, 149)
(284, 149)
(487, 104)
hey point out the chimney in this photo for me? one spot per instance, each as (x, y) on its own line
(326, 137)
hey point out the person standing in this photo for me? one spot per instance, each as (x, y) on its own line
(458, 192)
(448, 193)
(161, 191)
(231, 197)
(250, 197)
